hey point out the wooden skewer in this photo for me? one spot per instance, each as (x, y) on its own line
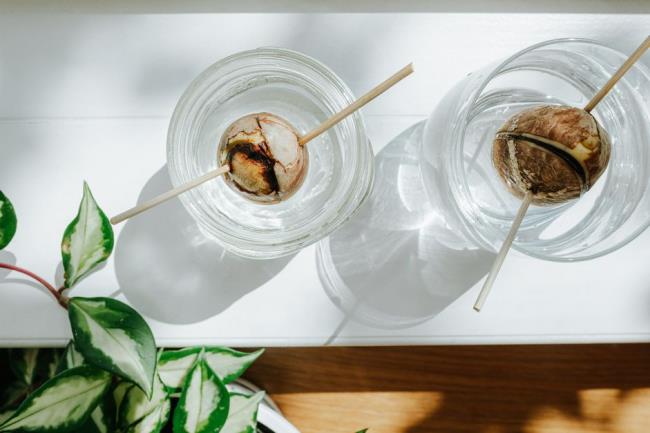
(169, 194)
(618, 74)
(336, 118)
(378, 90)
(498, 261)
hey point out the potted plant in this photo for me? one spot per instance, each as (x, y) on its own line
(111, 377)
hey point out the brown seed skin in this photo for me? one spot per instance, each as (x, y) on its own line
(556, 152)
(267, 163)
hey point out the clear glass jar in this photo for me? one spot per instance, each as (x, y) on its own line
(395, 264)
(301, 90)
(457, 142)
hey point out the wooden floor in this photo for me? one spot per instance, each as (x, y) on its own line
(494, 389)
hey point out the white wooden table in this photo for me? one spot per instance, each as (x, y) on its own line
(86, 96)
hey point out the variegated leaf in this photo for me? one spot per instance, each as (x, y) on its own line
(136, 405)
(87, 241)
(119, 393)
(8, 221)
(71, 357)
(113, 336)
(155, 421)
(23, 363)
(242, 416)
(49, 362)
(228, 364)
(95, 423)
(34, 366)
(5, 415)
(13, 394)
(63, 403)
(204, 402)
(103, 417)
(87, 427)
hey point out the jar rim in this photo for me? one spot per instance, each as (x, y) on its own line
(357, 183)
(474, 232)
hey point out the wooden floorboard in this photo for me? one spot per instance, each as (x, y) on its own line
(489, 389)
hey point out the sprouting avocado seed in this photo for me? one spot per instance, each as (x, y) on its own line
(267, 162)
(555, 152)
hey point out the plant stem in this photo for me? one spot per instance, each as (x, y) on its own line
(62, 300)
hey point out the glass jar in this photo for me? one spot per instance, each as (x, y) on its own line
(303, 91)
(457, 142)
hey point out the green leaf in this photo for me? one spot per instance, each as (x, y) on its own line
(100, 420)
(62, 403)
(136, 405)
(204, 402)
(34, 366)
(13, 394)
(48, 363)
(23, 363)
(88, 427)
(87, 241)
(242, 416)
(143, 415)
(71, 358)
(228, 364)
(5, 415)
(363, 431)
(113, 336)
(103, 417)
(8, 221)
(155, 421)
(119, 393)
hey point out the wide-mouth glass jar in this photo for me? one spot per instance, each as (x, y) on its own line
(301, 90)
(457, 142)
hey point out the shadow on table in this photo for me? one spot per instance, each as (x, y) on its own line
(170, 271)
(576, 389)
(463, 389)
(396, 263)
(10, 258)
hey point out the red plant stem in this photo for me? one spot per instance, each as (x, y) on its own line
(63, 300)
